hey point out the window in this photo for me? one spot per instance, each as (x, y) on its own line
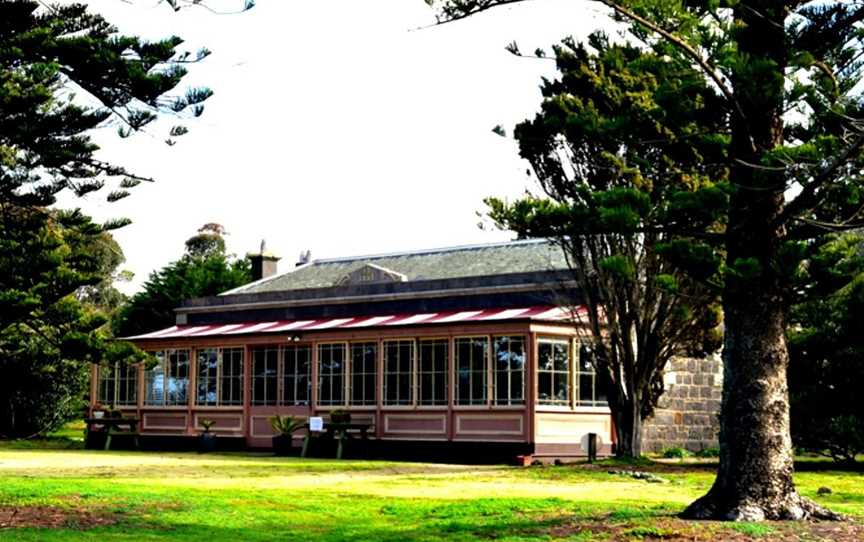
(472, 354)
(509, 370)
(590, 392)
(118, 385)
(433, 372)
(331, 374)
(553, 372)
(296, 375)
(265, 366)
(220, 377)
(167, 382)
(399, 372)
(364, 361)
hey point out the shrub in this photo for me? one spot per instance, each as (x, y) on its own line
(285, 425)
(676, 452)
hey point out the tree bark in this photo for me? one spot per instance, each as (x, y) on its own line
(754, 481)
(628, 429)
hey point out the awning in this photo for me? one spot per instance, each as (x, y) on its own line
(546, 313)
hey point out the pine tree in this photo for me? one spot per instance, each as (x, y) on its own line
(788, 73)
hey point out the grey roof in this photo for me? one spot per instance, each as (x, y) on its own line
(442, 263)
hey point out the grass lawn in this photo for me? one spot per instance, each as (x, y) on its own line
(94, 495)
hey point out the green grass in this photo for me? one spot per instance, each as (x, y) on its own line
(216, 497)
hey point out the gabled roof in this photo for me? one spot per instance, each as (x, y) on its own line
(442, 263)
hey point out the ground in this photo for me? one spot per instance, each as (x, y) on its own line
(72, 494)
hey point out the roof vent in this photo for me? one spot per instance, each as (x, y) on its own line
(304, 258)
(371, 273)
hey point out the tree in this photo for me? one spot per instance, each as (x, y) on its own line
(64, 72)
(613, 145)
(792, 179)
(826, 350)
(198, 273)
(45, 355)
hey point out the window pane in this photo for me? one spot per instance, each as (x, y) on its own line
(127, 384)
(433, 371)
(178, 378)
(399, 372)
(471, 358)
(296, 369)
(364, 360)
(107, 384)
(208, 372)
(265, 361)
(231, 376)
(553, 372)
(154, 379)
(331, 374)
(509, 369)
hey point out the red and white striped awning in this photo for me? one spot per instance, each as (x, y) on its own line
(553, 314)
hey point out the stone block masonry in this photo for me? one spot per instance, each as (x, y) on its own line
(687, 413)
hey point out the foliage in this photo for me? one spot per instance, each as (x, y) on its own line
(827, 351)
(64, 72)
(676, 453)
(205, 271)
(45, 356)
(285, 425)
(787, 77)
(206, 424)
(619, 150)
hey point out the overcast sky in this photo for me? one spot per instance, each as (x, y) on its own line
(335, 126)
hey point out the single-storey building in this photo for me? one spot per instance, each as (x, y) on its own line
(438, 348)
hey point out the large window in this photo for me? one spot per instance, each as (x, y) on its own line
(364, 361)
(118, 385)
(509, 370)
(167, 382)
(220, 377)
(331, 374)
(296, 375)
(590, 392)
(399, 372)
(265, 370)
(553, 372)
(433, 372)
(472, 354)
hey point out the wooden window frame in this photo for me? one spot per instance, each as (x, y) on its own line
(412, 374)
(486, 372)
(445, 401)
(509, 371)
(568, 402)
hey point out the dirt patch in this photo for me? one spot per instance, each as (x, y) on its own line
(54, 517)
(667, 529)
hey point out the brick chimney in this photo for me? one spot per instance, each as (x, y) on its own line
(264, 263)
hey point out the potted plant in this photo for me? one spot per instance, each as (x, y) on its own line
(206, 440)
(340, 416)
(284, 427)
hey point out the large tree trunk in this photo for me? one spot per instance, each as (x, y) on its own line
(628, 429)
(754, 481)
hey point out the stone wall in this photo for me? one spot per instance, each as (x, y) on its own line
(687, 413)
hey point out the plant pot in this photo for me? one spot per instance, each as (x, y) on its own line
(206, 443)
(283, 445)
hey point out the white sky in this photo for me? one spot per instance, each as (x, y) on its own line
(335, 126)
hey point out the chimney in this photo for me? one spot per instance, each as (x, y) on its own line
(264, 263)
(304, 258)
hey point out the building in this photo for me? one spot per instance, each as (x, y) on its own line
(441, 349)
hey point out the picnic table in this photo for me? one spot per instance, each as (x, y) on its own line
(340, 431)
(110, 427)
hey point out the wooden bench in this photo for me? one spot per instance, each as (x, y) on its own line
(111, 427)
(340, 431)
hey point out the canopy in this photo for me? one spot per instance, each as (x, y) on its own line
(545, 313)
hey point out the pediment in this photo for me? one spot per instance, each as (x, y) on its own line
(371, 274)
